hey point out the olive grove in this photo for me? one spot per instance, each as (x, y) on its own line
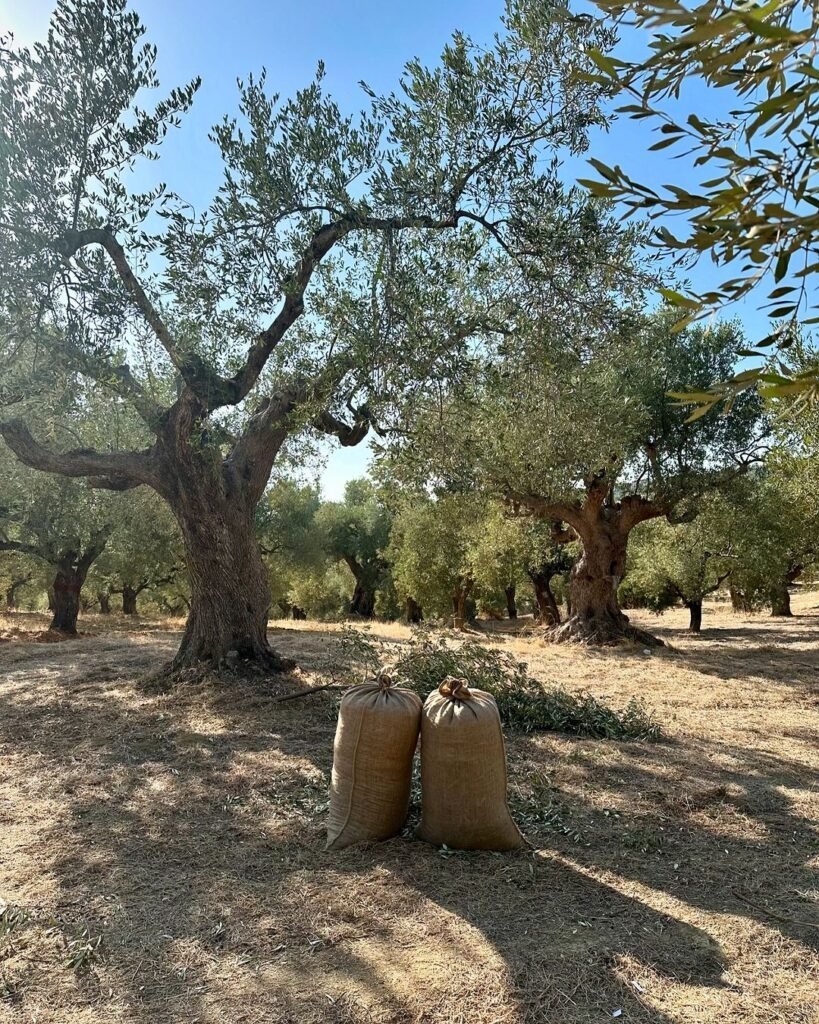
(232, 331)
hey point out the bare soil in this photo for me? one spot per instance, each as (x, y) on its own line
(161, 854)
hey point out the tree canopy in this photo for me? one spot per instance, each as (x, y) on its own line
(314, 289)
(755, 211)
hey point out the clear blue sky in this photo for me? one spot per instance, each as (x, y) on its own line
(356, 39)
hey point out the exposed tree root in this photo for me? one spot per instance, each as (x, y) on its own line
(180, 673)
(601, 632)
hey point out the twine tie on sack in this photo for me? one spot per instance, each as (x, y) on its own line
(455, 689)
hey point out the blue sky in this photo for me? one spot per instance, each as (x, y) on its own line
(356, 39)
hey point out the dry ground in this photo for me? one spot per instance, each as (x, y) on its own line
(169, 846)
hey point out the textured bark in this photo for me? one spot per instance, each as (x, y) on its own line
(72, 570)
(695, 616)
(511, 605)
(548, 612)
(595, 615)
(104, 599)
(781, 601)
(52, 600)
(603, 524)
(129, 599)
(230, 598)
(67, 588)
(413, 611)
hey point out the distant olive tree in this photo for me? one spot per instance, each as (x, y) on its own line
(356, 532)
(65, 527)
(683, 563)
(580, 432)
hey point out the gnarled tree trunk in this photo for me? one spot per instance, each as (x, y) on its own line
(230, 596)
(548, 612)
(363, 600)
(511, 604)
(104, 599)
(67, 587)
(129, 599)
(593, 583)
(603, 526)
(695, 615)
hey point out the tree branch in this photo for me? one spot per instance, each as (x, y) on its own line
(19, 546)
(121, 381)
(199, 377)
(95, 548)
(348, 434)
(115, 471)
(562, 511)
(634, 509)
(240, 385)
(720, 580)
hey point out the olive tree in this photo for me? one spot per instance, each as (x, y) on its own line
(507, 550)
(292, 542)
(65, 526)
(357, 532)
(580, 431)
(144, 551)
(430, 551)
(683, 562)
(231, 330)
(774, 526)
(17, 571)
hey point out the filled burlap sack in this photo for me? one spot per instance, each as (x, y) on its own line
(375, 742)
(463, 771)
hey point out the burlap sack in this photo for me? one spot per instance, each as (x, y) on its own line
(372, 763)
(463, 771)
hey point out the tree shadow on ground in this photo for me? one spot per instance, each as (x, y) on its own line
(776, 662)
(715, 825)
(773, 656)
(187, 831)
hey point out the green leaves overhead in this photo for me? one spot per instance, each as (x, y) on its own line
(757, 209)
(543, 418)
(345, 255)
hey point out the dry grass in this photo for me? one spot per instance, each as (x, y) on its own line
(169, 846)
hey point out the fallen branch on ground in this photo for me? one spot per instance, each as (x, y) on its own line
(773, 914)
(306, 693)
